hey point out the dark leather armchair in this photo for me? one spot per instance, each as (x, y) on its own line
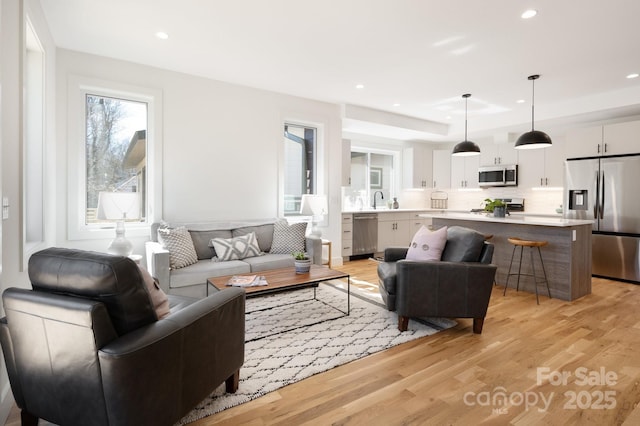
(458, 286)
(85, 347)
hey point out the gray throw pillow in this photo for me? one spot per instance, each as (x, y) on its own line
(202, 241)
(264, 234)
(288, 238)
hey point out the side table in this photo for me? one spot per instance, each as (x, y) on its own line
(328, 244)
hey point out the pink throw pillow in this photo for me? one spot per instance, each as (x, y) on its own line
(159, 299)
(427, 245)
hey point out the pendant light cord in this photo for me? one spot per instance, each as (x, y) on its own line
(465, 118)
(533, 100)
(466, 99)
(533, 79)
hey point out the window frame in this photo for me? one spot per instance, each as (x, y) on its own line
(394, 188)
(319, 154)
(33, 138)
(314, 177)
(79, 88)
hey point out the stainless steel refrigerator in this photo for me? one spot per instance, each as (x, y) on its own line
(607, 190)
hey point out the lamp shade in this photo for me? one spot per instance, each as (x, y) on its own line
(532, 140)
(118, 205)
(313, 205)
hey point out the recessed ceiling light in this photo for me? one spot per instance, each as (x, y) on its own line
(634, 75)
(359, 86)
(530, 13)
(162, 35)
(396, 105)
(520, 101)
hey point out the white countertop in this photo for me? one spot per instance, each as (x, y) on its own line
(387, 210)
(515, 219)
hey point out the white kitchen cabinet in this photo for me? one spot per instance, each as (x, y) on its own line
(464, 171)
(584, 141)
(416, 222)
(347, 234)
(394, 229)
(554, 157)
(543, 167)
(610, 139)
(498, 153)
(441, 168)
(622, 138)
(346, 162)
(417, 166)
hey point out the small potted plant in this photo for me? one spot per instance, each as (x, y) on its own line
(302, 262)
(497, 207)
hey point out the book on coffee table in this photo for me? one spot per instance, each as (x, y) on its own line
(247, 281)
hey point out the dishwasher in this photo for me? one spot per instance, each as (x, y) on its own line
(365, 233)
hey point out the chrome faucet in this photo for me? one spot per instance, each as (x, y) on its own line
(374, 198)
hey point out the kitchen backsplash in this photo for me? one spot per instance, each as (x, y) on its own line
(536, 201)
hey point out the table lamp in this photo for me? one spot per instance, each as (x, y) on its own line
(119, 206)
(314, 205)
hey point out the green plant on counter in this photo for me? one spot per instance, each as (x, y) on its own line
(492, 204)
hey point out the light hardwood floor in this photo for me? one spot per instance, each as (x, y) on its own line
(457, 377)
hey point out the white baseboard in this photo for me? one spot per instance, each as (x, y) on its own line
(336, 261)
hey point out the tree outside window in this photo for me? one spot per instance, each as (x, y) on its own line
(115, 148)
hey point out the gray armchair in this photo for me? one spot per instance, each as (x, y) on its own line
(85, 347)
(458, 286)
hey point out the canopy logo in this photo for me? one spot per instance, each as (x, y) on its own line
(591, 398)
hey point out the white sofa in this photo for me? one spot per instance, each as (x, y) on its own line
(191, 280)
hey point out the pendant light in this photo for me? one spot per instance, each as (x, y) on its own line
(466, 147)
(535, 138)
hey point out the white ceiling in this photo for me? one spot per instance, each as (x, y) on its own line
(420, 54)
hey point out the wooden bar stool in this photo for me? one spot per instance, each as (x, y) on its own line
(518, 242)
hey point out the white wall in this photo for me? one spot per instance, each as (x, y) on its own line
(14, 13)
(222, 144)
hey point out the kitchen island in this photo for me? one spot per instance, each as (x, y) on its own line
(567, 257)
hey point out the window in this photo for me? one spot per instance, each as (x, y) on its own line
(115, 140)
(371, 172)
(33, 145)
(300, 169)
(115, 156)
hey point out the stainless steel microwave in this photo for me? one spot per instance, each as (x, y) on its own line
(498, 175)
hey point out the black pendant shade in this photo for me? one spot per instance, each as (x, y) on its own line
(466, 147)
(535, 138)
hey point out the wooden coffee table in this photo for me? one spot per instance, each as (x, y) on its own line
(286, 279)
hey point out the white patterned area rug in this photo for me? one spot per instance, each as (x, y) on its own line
(289, 350)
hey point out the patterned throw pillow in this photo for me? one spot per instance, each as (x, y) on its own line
(427, 245)
(235, 248)
(288, 238)
(180, 245)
